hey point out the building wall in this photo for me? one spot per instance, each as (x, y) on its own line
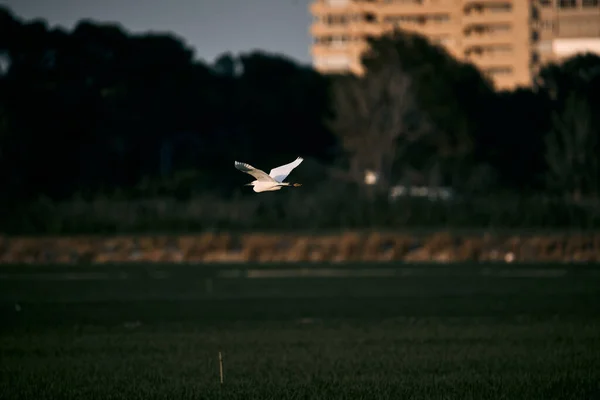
(508, 40)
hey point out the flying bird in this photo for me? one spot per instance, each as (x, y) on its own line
(273, 181)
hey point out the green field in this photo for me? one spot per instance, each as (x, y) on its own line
(451, 332)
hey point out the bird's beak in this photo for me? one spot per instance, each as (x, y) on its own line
(248, 184)
(297, 184)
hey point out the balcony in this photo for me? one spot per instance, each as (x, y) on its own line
(486, 61)
(477, 18)
(319, 51)
(337, 3)
(337, 48)
(415, 9)
(587, 25)
(482, 2)
(486, 39)
(321, 29)
(570, 14)
(578, 31)
(369, 29)
(426, 25)
(331, 62)
(368, 7)
(433, 29)
(585, 12)
(323, 7)
(501, 75)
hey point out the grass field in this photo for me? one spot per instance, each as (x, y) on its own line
(447, 334)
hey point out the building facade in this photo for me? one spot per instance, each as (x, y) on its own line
(508, 40)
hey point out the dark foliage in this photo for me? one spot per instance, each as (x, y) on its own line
(96, 116)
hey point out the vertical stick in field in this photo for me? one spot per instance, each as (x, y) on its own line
(221, 367)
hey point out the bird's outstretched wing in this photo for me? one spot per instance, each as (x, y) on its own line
(280, 173)
(255, 172)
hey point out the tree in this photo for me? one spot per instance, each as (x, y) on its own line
(572, 91)
(580, 73)
(572, 149)
(96, 108)
(452, 99)
(282, 107)
(226, 65)
(514, 144)
(371, 115)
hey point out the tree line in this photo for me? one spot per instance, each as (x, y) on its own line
(99, 126)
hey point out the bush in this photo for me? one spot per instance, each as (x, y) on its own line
(325, 209)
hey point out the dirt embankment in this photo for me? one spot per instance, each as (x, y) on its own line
(349, 246)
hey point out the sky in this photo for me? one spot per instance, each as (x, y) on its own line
(211, 27)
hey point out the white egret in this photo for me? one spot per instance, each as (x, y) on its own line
(273, 181)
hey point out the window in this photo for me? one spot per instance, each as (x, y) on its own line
(482, 29)
(369, 17)
(567, 3)
(334, 40)
(339, 40)
(546, 25)
(416, 19)
(440, 18)
(499, 49)
(336, 19)
(499, 8)
(489, 51)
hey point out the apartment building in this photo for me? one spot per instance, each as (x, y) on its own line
(508, 40)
